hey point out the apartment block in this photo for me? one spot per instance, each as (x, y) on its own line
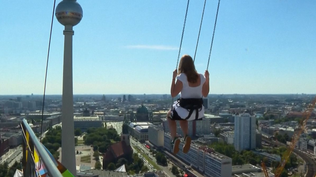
(245, 132)
(156, 135)
(213, 164)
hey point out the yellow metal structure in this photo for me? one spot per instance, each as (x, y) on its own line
(264, 169)
(295, 138)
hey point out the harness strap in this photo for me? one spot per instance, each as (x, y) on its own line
(191, 104)
(190, 113)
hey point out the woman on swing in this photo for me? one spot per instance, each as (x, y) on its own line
(191, 86)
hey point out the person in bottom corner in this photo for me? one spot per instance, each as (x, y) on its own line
(192, 87)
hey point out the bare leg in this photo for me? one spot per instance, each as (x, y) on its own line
(187, 140)
(175, 142)
(172, 126)
(185, 127)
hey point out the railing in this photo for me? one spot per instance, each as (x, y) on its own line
(35, 155)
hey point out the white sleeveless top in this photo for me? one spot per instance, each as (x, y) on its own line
(190, 92)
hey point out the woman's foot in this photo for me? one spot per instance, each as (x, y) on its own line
(175, 145)
(187, 144)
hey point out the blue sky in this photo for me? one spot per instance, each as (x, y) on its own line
(121, 47)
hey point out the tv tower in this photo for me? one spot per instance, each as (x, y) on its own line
(69, 14)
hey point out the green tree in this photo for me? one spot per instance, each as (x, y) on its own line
(3, 169)
(144, 169)
(286, 137)
(161, 159)
(56, 154)
(101, 138)
(111, 166)
(237, 159)
(293, 160)
(131, 172)
(121, 161)
(52, 141)
(174, 170)
(76, 141)
(284, 173)
(9, 172)
(78, 132)
(217, 132)
(96, 155)
(98, 165)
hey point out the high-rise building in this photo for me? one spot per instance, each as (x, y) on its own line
(129, 98)
(103, 98)
(205, 103)
(245, 132)
(123, 98)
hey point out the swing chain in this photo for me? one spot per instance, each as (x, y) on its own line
(209, 56)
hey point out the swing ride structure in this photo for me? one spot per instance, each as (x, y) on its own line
(306, 114)
(198, 36)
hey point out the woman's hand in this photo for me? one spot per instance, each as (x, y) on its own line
(174, 75)
(206, 74)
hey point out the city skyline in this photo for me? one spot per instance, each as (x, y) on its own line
(260, 47)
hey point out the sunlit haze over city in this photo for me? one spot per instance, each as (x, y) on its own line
(131, 47)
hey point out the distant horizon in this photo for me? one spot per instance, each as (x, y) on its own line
(161, 94)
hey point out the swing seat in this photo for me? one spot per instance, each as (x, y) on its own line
(190, 105)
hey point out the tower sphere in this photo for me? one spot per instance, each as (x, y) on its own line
(68, 12)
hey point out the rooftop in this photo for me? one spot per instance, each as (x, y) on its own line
(211, 116)
(88, 118)
(102, 173)
(246, 168)
(134, 124)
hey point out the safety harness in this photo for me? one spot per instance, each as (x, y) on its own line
(191, 104)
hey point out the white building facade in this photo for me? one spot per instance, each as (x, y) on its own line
(228, 137)
(156, 135)
(210, 162)
(245, 132)
(203, 127)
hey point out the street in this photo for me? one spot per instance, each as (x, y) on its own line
(118, 127)
(12, 156)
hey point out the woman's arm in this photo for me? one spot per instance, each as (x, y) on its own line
(175, 87)
(206, 85)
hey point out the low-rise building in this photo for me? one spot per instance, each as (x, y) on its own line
(4, 145)
(54, 120)
(302, 144)
(228, 137)
(156, 135)
(215, 119)
(139, 130)
(14, 137)
(270, 157)
(206, 160)
(84, 123)
(241, 170)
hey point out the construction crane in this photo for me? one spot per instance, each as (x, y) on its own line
(264, 169)
(295, 138)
